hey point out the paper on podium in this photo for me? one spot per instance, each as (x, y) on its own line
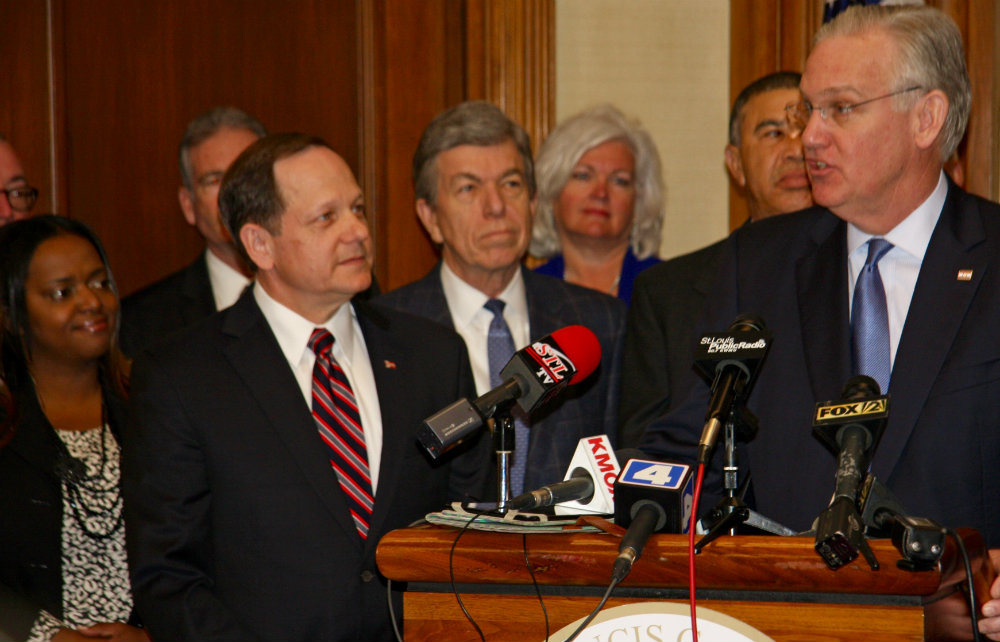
(512, 522)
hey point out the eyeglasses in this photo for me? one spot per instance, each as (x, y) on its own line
(21, 199)
(798, 114)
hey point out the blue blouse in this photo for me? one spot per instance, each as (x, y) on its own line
(631, 267)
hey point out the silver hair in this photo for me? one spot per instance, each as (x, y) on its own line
(930, 56)
(204, 126)
(474, 122)
(562, 150)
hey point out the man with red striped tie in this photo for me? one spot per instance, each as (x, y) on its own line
(274, 443)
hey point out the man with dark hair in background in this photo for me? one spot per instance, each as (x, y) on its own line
(18, 196)
(765, 162)
(211, 142)
(475, 189)
(273, 444)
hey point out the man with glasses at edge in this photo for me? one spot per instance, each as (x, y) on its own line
(886, 98)
(19, 197)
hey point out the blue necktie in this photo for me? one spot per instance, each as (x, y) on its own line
(870, 318)
(499, 350)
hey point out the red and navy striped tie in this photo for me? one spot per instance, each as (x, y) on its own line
(336, 413)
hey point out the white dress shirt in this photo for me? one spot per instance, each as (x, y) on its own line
(293, 331)
(227, 284)
(900, 266)
(472, 320)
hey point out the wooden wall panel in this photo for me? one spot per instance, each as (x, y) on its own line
(510, 53)
(123, 78)
(978, 152)
(25, 97)
(415, 74)
(135, 73)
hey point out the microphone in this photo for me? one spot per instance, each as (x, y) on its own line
(532, 377)
(920, 541)
(650, 497)
(589, 482)
(851, 429)
(729, 362)
(580, 487)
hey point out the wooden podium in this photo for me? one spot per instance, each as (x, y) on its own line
(778, 585)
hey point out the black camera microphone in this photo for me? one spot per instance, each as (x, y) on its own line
(851, 429)
(729, 362)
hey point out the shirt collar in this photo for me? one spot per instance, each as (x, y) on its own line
(292, 330)
(227, 284)
(465, 301)
(912, 234)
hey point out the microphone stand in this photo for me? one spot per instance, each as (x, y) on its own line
(503, 444)
(731, 511)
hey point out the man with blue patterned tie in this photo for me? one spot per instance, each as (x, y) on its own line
(275, 442)
(475, 187)
(896, 275)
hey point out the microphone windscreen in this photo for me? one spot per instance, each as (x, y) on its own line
(748, 323)
(580, 345)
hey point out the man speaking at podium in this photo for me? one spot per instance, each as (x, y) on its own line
(274, 443)
(893, 245)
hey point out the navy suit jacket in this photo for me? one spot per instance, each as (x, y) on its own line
(174, 302)
(237, 526)
(660, 337)
(584, 409)
(940, 453)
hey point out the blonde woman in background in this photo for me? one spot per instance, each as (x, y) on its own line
(600, 201)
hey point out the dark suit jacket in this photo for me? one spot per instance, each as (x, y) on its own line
(660, 337)
(237, 526)
(174, 302)
(31, 515)
(940, 452)
(584, 409)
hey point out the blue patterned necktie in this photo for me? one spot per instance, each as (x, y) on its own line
(870, 318)
(339, 423)
(499, 350)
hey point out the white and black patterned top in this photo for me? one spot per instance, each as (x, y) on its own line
(95, 570)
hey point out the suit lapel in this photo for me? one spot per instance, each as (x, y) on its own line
(35, 440)
(545, 316)
(255, 355)
(392, 368)
(823, 308)
(199, 302)
(937, 309)
(543, 310)
(430, 300)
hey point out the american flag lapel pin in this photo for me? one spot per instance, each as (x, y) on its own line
(390, 365)
(964, 275)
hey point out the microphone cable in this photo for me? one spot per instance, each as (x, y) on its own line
(451, 574)
(699, 478)
(968, 578)
(534, 583)
(586, 622)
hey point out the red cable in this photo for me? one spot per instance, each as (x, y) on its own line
(691, 532)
